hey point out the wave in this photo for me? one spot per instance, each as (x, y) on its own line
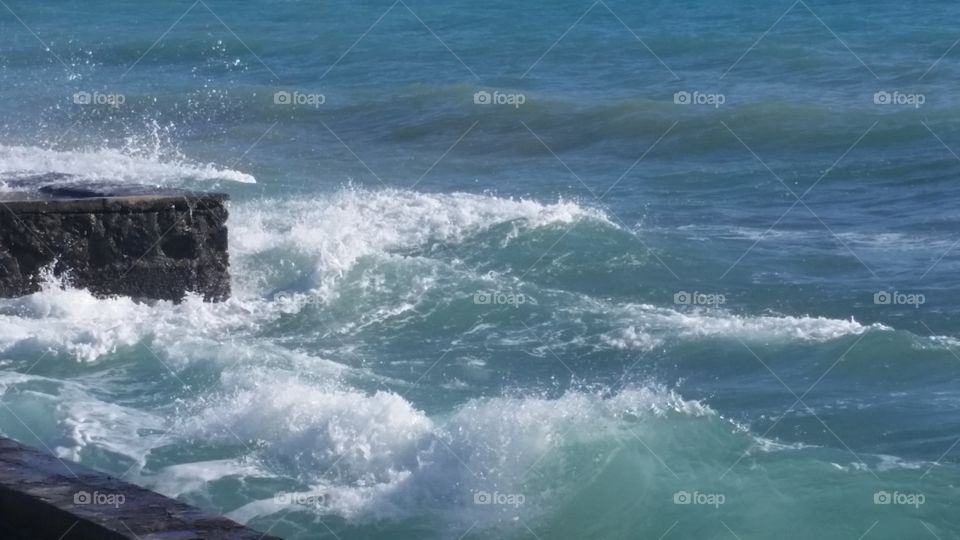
(425, 113)
(314, 243)
(375, 456)
(114, 165)
(367, 458)
(325, 450)
(646, 327)
(315, 436)
(569, 122)
(333, 233)
(362, 456)
(329, 235)
(887, 241)
(87, 328)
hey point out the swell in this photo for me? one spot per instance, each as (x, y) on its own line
(359, 460)
(571, 123)
(624, 127)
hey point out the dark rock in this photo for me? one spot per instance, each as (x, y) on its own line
(136, 241)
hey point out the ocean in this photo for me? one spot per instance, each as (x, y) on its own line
(551, 270)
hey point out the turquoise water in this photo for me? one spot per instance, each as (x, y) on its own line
(512, 270)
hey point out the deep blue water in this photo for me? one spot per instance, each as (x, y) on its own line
(702, 253)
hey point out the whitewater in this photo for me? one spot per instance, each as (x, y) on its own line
(604, 312)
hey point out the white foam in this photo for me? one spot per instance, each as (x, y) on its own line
(949, 343)
(774, 328)
(115, 165)
(87, 328)
(374, 456)
(646, 327)
(366, 436)
(769, 446)
(884, 463)
(81, 419)
(87, 421)
(858, 241)
(889, 463)
(336, 231)
(176, 480)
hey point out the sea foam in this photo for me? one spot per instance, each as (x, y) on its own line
(374, 455)
(116, 166)
(335, 232)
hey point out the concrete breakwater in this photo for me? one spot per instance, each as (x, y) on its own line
(43, 497)
(112, 239)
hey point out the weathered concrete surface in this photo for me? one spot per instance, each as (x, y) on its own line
(43, 497)
(135, 241)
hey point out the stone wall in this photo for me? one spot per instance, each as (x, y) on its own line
(42, 496)
(114, 240)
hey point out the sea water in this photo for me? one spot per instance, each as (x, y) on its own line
(512, 269)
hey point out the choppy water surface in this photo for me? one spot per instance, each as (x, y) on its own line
(551, 269)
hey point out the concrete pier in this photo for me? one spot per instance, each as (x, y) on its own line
(42, 497)
(112, 239)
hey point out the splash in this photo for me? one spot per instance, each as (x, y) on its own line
(141, 166)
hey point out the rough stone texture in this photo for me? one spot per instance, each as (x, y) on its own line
(43, 497)
(124, 240)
